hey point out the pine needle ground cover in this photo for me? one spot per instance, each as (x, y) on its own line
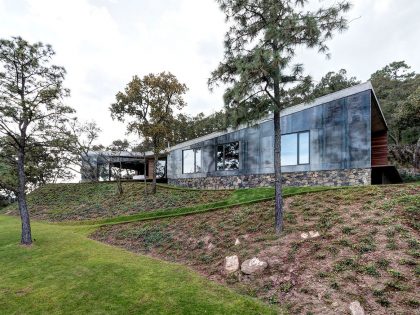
(368, 248)
(64, 272)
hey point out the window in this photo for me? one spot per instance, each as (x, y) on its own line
(191, 161)
(227, 156)
(295, 148)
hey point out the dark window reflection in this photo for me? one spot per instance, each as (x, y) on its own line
(227, 157)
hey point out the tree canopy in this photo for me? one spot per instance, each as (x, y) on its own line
(32, 115)
(148, 106)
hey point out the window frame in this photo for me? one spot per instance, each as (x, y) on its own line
(298, 147)
(195, 160)
(223, 145)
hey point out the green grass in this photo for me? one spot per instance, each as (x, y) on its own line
(64, 272)
(239, 197)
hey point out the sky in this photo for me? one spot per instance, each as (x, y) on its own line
(103, 43)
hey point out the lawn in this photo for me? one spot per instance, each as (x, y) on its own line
(368, 249)
(64, 272)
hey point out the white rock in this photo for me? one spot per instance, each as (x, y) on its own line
(237, 242)
(253, 265)
(304, 235)
(356, 308)
(231, 263)
(313, 234)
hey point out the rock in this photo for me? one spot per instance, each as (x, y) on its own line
(210, 246)
(304, 235)
(356, 308)
(253, 265)
(231, 263)
(313, 234)
(237, 242)
(273, 261)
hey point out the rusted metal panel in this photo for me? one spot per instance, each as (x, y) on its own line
(380, 148)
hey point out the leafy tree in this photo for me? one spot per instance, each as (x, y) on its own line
(149, 105)
(116, 149)
(188, 127)
(82, 143)
(260, 48)
(31, 110)
(333, 82)
(396, 88)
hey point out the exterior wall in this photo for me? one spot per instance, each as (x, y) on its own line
(348, 177)
(340, 139)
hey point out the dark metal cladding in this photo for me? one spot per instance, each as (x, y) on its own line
(340, 138)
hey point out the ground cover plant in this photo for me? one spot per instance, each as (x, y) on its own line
(368, 249)
(64, 272)
(63, 202)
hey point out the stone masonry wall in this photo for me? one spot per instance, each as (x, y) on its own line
(347, 177)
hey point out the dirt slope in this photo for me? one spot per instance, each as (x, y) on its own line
(368, 249)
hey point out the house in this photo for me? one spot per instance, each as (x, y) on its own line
(338, 139)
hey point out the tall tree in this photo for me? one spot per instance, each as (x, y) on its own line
(149, 105)
(332, 82)
(116, 149)
(396, 85)
(260, 48)
(82, 144)
(31, 108)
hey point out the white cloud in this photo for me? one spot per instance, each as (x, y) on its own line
(102, 43)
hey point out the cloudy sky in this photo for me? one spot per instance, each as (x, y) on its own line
(103, 43)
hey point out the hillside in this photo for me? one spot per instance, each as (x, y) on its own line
(75, 202)
(368, 249)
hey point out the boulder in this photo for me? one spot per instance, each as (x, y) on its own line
(304, 235)
(313, 234)
(253, 265)
(356, 308)
(210, 246)
(237, 242)
(231, 263)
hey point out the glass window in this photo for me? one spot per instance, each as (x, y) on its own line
(219, 158)
(188, 160)
(304, 148)
(289, 149)
(198, 160)
(227, 156)
(161, 169)
(295, 148)
(191, 160)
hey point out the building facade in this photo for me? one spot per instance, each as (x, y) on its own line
(338, 139)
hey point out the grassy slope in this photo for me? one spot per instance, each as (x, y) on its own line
(66, 273)
(368, 249)
(75, 202)
(97, 203)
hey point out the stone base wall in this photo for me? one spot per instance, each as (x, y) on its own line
(347, 177)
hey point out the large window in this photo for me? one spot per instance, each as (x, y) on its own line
(295, 148)
(191, 161)
(227, 157)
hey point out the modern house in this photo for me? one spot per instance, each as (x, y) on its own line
(338, 139)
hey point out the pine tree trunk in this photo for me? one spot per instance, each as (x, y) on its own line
(277, 154)
(26, 237)
(277, 174)
(155, 163)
